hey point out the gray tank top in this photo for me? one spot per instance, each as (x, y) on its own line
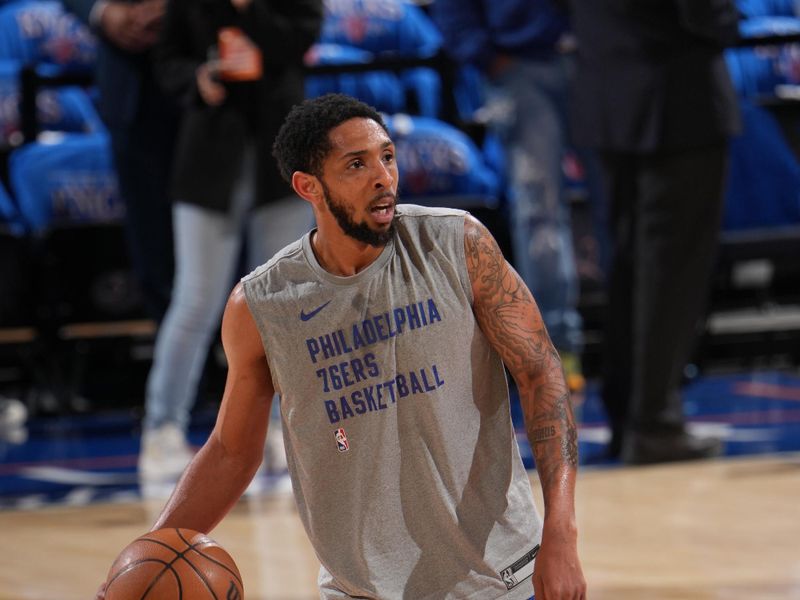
(396, 420)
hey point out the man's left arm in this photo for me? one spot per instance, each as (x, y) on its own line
(507, 314)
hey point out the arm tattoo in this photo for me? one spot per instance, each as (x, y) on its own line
(508, 316)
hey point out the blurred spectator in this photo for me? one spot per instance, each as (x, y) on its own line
(142, 123)
(520, 46)
(236, 67)
(652, 93)
(389, 28)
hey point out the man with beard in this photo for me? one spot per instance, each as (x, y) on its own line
(385, 331)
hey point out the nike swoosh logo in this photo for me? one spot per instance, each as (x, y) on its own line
(304, 316)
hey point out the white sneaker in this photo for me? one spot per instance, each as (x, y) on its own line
(273, 469)
(164, 453)
(274, 450)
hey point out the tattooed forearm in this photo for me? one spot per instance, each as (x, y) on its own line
(508, 316)
(541, 434)
(553, 436)
(503, 305)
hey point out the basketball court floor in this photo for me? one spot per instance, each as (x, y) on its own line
(711, 530)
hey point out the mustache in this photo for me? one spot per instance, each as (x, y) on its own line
(381, 196)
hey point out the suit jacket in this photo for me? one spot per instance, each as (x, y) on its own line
(651, 74)
(212, 140)
(119, 74)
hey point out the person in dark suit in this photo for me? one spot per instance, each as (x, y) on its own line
(653, 95)
(142, 123)
(236, 69)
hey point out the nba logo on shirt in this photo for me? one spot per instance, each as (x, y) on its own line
(508, 577)
(341, 440)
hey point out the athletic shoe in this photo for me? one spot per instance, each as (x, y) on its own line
(164, 453)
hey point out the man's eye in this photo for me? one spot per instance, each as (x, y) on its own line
(388, 157)
(357, 164)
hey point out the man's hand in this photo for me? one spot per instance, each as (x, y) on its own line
(132, 27)
(149, 14)
(211, 91)
(558, 574)
(101, 592)
(241, 5)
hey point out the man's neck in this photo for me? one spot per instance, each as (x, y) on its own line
(341, 255)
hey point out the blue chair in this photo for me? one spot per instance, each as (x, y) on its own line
(764, 177)
(390, 28)
(44, 32)
(440, 165)
(68, 109)
(11, 221)
(15, 273)
(766, 8)
(759, 71)
(68, 182)
(380, 89)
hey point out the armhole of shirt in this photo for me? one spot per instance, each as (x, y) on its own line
(262, 334)
(463, 272)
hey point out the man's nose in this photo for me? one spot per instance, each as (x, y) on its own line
(384, 176)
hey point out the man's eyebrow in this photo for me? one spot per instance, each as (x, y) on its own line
(355, 153)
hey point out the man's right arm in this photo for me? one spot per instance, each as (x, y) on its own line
(222, 469)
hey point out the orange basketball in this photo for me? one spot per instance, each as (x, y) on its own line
(174, 564)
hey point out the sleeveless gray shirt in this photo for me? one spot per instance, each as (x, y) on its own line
(396, 420)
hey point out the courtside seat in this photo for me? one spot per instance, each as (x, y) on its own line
(43, 32)
(66, 193)
(764, 179)
(766, 8)
(68, 108)
(440, 165)
(381, 89)
(15, 299)
(64, 180)
(766, 71)
(86, 304)
(388, 28)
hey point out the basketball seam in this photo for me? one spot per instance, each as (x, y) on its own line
(167, 567)
(218, 563)
(194, 568)
(212, 559)
(170, 568)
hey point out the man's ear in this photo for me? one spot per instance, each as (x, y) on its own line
(307, 186)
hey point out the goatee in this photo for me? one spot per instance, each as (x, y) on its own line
(359, 231)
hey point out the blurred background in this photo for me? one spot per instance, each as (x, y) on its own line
(78, 327)
(76, 339)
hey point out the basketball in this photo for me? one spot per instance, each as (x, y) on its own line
(174, 564)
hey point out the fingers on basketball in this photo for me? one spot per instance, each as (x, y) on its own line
(173, 564)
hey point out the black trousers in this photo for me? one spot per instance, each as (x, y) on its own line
(665, 211)
(143, 152)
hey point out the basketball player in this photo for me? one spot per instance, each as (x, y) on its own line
(385, 331)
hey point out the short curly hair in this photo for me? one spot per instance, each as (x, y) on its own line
(303, 142)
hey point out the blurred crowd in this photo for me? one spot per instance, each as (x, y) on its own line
(158, 116)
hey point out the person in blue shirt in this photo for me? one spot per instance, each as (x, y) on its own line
(521, 47)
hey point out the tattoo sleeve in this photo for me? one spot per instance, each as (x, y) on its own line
(508, 316)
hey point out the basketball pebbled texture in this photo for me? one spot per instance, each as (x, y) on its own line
(174, 564)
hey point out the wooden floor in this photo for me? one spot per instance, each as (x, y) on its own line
(722, 530)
